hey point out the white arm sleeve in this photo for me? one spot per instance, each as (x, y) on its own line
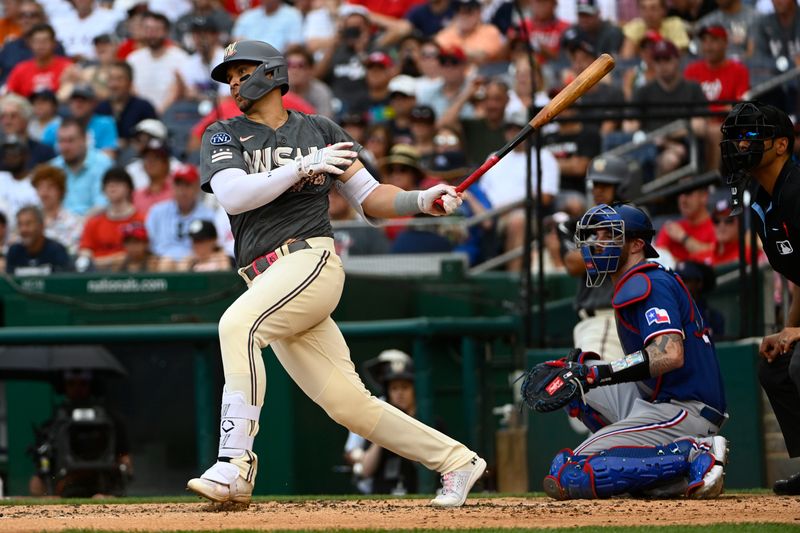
(238, 191)
(358, 187)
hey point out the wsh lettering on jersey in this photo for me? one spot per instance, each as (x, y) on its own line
(265, 159)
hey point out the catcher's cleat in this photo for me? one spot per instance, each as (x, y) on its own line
(707, 471)
(457, 484)
(553, 488)
(222, 483)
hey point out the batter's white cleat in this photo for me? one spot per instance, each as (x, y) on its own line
(707, 471)
(222, 483)
(457, 484)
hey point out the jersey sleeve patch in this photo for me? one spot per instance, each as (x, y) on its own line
(656, 315)
(221, 154)
(219, 138)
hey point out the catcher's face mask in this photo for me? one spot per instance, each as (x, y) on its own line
(600, 236)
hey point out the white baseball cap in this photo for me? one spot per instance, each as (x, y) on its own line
(403, 84)
(152, 127)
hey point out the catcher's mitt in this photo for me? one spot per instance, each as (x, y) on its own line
(551, 385)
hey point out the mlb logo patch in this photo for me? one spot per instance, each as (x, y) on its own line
(784, 247)
(655, 315)
(554, 385)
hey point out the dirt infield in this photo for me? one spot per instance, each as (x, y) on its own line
(400, 514)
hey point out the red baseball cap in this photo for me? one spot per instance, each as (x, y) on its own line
(454, 53)
(186, 173)
(715, 30)
(135, 231)
(379, 58)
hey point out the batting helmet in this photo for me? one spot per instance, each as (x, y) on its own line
(257, 84)
(624, 174)
(602, 251)
(756, 123)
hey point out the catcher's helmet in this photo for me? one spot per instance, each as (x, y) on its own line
(756, 123)
(268, 58)
(602, 250)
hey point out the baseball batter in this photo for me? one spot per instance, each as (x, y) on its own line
(665, 440)
(271, 169)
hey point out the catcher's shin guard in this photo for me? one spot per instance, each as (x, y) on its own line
(617, 471)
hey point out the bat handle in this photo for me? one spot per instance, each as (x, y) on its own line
(472, 178)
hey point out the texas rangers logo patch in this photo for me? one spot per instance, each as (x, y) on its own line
(220, 138)
(655, 315)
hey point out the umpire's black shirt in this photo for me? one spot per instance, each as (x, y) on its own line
(777, 222)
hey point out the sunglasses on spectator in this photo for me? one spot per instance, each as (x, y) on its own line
(445, 140)
(728, 221)
(447, 61)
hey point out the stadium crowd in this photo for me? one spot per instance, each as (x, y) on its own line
(104, 104)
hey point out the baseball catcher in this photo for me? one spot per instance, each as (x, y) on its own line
(655, 413)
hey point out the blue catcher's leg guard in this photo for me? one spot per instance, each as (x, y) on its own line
(616, 471)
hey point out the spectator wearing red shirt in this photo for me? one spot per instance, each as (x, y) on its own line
(102, 240)
(692, 236)
(726, 229)
(43, 72)
(544, 30)
(720, 78)
(391, 8)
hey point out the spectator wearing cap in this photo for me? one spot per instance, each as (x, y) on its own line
(202, 9)
(102, 240)
(481, 42)
(44, 111)
(136, 245)
(157, 65)
(44, 69)
(77, 29)
(380, 71)
(206, 254)
(84, 167)
(691, 237)
(16, 190)
(504, 184)
(168, 221)
(669, 86)
(604, 36)
(429, 18)
(721, 79)
(127, 109)
(653, 16)
(146, 131)
(401, 168)
(101, 130)
(776, 42)
(277, 23)
(402, 99)
(156, 165)
(300, 63)
(607, 97)
(452, 89)
(544, 30)
(60, 224)
(423, 128)
(15, 118)
(486, 133)
(94, 72)
(726, 231)
(35, 254)
(738, 18)
(17, 49)
(208, 53)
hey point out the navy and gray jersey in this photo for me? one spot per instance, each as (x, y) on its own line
(299, 213)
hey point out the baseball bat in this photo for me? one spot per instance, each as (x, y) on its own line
(565, 98)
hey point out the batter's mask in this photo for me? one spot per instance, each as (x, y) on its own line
(601, 234)
(257, 84)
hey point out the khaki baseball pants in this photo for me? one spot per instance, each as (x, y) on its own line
(288, 307)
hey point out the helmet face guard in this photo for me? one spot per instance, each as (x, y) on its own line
(600, 236)
(744, 123)
(256, 84)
